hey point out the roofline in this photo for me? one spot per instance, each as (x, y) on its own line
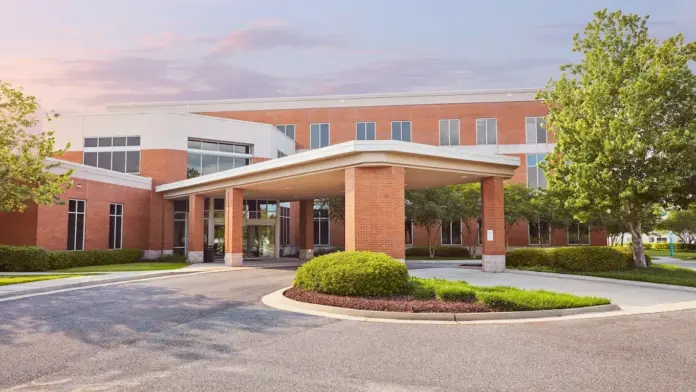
(507, 92)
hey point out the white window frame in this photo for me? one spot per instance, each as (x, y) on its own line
(365, 122)
(328, 141)
(529, 233)
(589, 234)
(113, 149)
(285, 130)
(537, 168)
(486, 122)
(401, 130)
(84, 225)
(120, 246)
(536, 124)
(450, 234)
(449, 132)
(413, 234)
(328, 231)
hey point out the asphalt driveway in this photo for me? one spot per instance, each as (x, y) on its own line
(209, 332)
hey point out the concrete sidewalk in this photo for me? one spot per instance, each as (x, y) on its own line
(675, 261)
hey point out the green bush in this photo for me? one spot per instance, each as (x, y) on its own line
(353, 274)
(440, 251)
(517, 300)
(528, 257)
(325, 251)
(574, 258)
(627, 251)
(35, 259)
(455, 293)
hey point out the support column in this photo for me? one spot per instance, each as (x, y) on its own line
(493, 224)
(234, 226)
(375, 210)
(306, 244)
(195, 228)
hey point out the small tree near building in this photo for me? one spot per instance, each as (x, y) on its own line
(427, 208)
(682, 224)
(466, 205)
(518, 206)
(625, 122)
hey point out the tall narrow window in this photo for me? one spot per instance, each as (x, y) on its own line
(287, 129)
(539, 233)
(535, 175)
(318, 135)
(321, 224)
(409, 231)
(578, 234)
(284, 223)
(76, 224)
(486, 131)
(115, 226)
(449, 132)
(365, 131)
(401, 130)
(451, 233)
(536, 130)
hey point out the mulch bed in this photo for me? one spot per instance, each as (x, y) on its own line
(391, 304)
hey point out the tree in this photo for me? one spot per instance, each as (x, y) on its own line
(682, 224)
(548, 206)
(518, 206)
(625, 122)
(466, 207)
(25, 175)
(427, 208)
(337, 208)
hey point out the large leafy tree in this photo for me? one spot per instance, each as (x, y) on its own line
(518, 206)
(466, 207)
(427, 208)
(682, 223)
(625, 121)
(25, 176)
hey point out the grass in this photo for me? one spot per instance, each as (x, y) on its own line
(501, 298)
(151, 266)
(678, 254)
(657, 273)
(16, 279)
(426, 258)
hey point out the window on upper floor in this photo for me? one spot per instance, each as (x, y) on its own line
(401, 130)
(535, 175)
(536, 130)
(287, 129)
(121, 153)
(319, 135)
(449, 132)
(365, 130)
(207, 157)
(486, 131)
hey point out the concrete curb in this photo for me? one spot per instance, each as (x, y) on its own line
(279, 301)
(605, 280)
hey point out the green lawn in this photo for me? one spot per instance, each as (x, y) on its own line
(658, 273)
(678, 254)
(16, 279)
(152, 266)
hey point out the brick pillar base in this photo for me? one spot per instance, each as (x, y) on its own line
(493, 224)
(234, 226)
(306, 234)
(196, 222)
(375, 210)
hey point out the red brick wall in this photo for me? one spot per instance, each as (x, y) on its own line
(492, 216)
(72, 156)
(19, 228)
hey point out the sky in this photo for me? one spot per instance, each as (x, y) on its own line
(79, 55)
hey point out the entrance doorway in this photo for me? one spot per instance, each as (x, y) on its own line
(259, 242)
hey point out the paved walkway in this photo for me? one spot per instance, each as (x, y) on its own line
(675, 261)
(620, 294)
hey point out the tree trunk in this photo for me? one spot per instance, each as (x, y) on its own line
(637, 240)
(431, 250)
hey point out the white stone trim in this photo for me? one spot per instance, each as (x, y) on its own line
(493, 263)
(92, 173)
(195, 257)
(538, 148)
(306, 254)
(234, 259)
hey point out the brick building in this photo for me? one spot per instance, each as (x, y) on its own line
(215, 165)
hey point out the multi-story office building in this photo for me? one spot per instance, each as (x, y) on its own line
(146, 171)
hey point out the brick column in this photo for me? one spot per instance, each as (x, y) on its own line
(195, 229)
(234, 226)
(493, 224)
(375, 210)
(306, 243)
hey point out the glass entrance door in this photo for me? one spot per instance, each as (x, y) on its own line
(259, 242)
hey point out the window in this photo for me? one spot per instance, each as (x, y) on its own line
(318, 135)
(76, 224)
(321, 224)
(365, 131)
(207, 157)
(449, 132)
(281, 154)
(536, 130)
(121, 154)
(401, 130)
(115, 226)
(409, 231)
(260, 209)
(284, 223)
(451, 233)
(287, 129)
(539, 233)
(180, 227)
(578, 234)
(535, 175)
(486, 131)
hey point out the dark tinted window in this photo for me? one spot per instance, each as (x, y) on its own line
(119, 161)
(89, 158)
(91, 142)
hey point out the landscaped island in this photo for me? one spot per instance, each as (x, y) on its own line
(375, 281)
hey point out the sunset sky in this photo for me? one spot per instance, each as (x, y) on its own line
(77, 55)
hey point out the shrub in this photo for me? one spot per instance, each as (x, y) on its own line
(34, 259)
(171, 259)
(458, 292)
(513, 299)
(528, 257)
(589, 258)
(627, 251)
(353, 274)
(325, 251)
(440, 251)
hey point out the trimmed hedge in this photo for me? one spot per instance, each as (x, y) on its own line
(353, 274)
(36, 259)
(576, 258)
(440, 251)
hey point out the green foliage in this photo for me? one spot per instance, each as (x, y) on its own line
(527, 257)
(353, 274)
(518, 205)
(171, 259)
(438, 251)
(25, 176)
(682, 223)
(625, 123)
(32, 258)
(326, 251)
(573, 258)
(465, 206)
(336, 206)
(427, 208)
